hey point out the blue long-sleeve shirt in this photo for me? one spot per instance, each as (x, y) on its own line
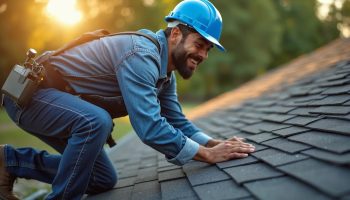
(129, 68)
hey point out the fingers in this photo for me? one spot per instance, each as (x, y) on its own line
(237, 155)
(240, 147)
(235, 138)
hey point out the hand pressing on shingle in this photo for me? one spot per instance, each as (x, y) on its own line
(224, 151)
(214, 142)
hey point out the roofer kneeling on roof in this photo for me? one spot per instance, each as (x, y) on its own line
(109, 77)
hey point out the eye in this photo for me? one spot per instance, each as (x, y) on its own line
(197, 45)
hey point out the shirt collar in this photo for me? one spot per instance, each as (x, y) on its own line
(163, 53)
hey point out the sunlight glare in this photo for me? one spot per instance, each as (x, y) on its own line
(64, 11)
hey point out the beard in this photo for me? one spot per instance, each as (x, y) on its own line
(180, 58)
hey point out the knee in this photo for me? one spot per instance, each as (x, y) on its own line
(102, 184)
(103, 122)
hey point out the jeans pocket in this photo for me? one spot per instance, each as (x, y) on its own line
(13, 109)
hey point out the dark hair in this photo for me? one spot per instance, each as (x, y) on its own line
(185, 30)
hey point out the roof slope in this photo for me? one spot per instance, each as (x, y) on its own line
(301, 130)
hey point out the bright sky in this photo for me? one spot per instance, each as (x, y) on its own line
(64, 11)
(324, 8)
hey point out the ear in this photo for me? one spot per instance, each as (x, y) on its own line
(175, 35)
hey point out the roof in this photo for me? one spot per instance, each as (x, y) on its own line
(298, 117)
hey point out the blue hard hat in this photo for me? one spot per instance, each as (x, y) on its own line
(200, 15)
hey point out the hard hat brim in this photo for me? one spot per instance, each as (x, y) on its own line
(211, 39)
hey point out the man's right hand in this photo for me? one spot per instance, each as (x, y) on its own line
(224, 151)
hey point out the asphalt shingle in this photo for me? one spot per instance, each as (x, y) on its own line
(252, 172)
(205, 175)
(286, 145)
(171, 174)
(221, 190)
(283, 188)
(147, 190)
(276, 158)
(301, 121)
(237, 162)
(290, 131)
(177, 189)
(333, 125)
(262, 137)
(341, 159)
(327, 141)
(334, 180)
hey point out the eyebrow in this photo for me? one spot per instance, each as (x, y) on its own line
(206, 41)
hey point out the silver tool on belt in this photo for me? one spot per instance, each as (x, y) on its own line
(24, 80)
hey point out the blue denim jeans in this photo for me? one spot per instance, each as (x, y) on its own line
(77, 130)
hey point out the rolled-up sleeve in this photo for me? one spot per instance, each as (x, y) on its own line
(137, 76)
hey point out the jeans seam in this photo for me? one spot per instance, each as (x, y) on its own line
(78, 160)
(82, 149)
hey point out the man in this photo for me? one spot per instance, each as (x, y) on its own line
(130, 75)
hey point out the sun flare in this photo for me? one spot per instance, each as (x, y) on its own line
(64, 11)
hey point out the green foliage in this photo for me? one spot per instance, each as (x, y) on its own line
(258, 35)
(303, 31)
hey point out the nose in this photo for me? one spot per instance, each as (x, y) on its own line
(203, 53)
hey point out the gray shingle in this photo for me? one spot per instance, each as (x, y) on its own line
(252, 172)
(337, 90)
(261, 137)
(285, 188)
(249, 121)
(290, 131)
(177, 189)
(164, 163)
(147, 174)
(276, 158)
(269, 126)
(334, 83)
(171, 167)
(301, 121)
(204, 175)
(172, 174)
(331, 142)
(121, 193)
(333, 77)
(304, 111)
(128, 173)
(339, 110)
(287, 146)
(147, 190)
(221, 190)
(333, 125)
(237, 162)
(277, 117)
(277, 109)
(194, 165)
(332, 100)
(125, 182)
(333, 180)
(341, 159)
(309, 98)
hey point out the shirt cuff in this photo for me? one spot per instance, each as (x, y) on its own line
(201, 138)
(188, 151)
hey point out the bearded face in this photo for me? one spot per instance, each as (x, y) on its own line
(189, 53)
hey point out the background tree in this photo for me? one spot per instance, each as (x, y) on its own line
(258, 35)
